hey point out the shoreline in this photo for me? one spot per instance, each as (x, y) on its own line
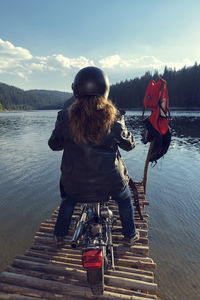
(126, 109)
(171, 109)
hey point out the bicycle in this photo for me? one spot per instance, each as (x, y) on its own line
(93, 232)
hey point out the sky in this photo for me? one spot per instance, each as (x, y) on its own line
(44, 43)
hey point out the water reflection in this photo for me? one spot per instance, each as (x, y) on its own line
(185, 129)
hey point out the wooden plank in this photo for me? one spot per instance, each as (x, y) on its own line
(57, 287)
(123, 291)
(135, 264)
(8, 296)
(67, 274)
(67, 271)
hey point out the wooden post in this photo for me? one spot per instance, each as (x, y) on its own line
(144, 181)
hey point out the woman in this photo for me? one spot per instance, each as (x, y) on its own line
(90, 133)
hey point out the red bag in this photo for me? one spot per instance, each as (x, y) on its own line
(157, 124)
(153, 94)
(152, 99)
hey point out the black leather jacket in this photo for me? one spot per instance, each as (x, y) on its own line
(90, 170)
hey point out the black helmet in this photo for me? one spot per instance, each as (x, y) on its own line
(91, 81)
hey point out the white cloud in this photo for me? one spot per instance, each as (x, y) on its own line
(110, 62)
(13, 59)
(116, 61)
(143, 62)
(8, 50)
(81, 62)
(39, 67)
(61, 62)
(22, 75)
(20, 62)
(179, 65)
(41, 58)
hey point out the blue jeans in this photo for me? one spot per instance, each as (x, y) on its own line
(126, 212)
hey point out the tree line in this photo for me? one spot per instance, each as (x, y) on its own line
(13, 98)
(183, 89)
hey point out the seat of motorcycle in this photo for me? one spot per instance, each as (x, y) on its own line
(94, 199)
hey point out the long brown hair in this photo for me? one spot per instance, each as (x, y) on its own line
(90, 118)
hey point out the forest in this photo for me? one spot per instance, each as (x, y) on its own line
(183, 91)
(13, 98)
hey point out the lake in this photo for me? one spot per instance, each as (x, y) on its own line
(29, 187)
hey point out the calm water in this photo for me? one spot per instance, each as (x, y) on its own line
(29, 173)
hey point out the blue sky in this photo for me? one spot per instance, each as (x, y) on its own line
(43, 43)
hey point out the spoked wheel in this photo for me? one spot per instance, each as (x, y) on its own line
(96, 281)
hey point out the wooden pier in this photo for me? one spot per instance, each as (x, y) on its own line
(46, 272)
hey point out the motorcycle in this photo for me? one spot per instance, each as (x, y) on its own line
(93, 233)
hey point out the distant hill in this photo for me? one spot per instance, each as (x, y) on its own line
(13, 98)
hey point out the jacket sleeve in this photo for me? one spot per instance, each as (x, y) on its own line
(125, 139)
(56, 140)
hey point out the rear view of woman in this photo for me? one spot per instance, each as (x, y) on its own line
(89, 133)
